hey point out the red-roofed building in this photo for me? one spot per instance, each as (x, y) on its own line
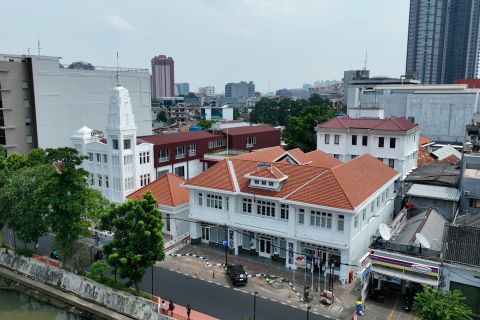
(393, 140)
(281, 205)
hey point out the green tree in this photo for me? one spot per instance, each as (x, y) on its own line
(98, 268)
(205, 124)
(162, 116)
(236, 113)
(300, 131)
(137, 240)
(19, 208)
(433, 304)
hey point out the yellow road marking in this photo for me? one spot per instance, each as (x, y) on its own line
(393, 310)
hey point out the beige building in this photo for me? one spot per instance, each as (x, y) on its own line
(17, 107)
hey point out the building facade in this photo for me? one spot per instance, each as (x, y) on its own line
(443, 40)
(208, 91)
(393, 141)
(182, 89)
(163, 77)
(240, 90)
(117, 163)
(285, 211)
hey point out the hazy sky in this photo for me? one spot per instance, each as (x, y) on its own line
(282, 42)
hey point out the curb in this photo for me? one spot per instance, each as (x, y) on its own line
(257, 275)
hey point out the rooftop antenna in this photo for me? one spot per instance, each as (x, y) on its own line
(366, 58)
(38, 46)
(117, 77)
(28, 50)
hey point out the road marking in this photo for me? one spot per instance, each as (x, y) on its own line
(273, 300)
(393, 310)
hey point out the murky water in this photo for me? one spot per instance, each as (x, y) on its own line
(17, 306)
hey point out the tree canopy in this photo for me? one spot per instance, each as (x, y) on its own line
(162, 116)
(137, 241)
(433, 304)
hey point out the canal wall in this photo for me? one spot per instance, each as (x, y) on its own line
(54, 281)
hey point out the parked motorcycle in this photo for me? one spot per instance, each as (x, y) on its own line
(408, 303)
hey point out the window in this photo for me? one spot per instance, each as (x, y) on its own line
(327, 138)
(381, 159)
(147, 157)
(163, 155)
(250, 141)
(301, 216)
(412, 119)
(315, 218)
(99, 157)
(227, 203)
(92, 179)
(336, 139)
(270, 183)
(364, 214)
(336, 156)
(372, 206)
(247, 205)
(90, 156)
(116, 160)
(321, 219)
(214, 201)
(180, 152)
(284, 211)
(126, 144)
(168, 224)
(266, 208)
(355, 222)
(364, 140)
(180, 171)
(393, 142)
(216, 144)
(29, 139)
(378, 202)
(128, 159)
(24, 84)
(381, 142)
(105, 158)
(26, 103)
(341, 223)
(99, 180)
(107, 185)
(144, 179)
(391, 163)
(354, 140)
(474, 203)
(353, 156)
(200, 199)
(115, 144)
(28, 121)
(192, 150)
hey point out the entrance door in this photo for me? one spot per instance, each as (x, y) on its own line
(205, 234)
(265, 247)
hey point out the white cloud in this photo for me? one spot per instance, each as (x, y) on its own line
(118, 23)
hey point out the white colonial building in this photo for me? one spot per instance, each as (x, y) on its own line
(300, 213)
(394, 141)
(118, 163)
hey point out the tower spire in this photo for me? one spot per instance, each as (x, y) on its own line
(117, 76)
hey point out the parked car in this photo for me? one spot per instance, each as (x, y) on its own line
(237, 274)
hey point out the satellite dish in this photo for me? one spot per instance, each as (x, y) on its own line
(422, 240)
(385, 232)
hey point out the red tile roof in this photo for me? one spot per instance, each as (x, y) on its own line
(319, 158)
(424, 140)
(249, 130)
(166, 189)
(262, 155)
(389, 124)
(158, 139)
(344, 186)
(271, 172)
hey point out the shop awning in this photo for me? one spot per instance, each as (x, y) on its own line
(404, 275)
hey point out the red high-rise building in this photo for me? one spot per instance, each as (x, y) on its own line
(163, 77)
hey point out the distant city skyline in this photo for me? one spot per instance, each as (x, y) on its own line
(274, 43)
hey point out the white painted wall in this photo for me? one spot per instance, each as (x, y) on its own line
(67, 99)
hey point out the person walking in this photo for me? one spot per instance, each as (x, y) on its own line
(163, 307)
(171, 307)
(189, 310)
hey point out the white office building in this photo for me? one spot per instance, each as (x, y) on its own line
(394, 141)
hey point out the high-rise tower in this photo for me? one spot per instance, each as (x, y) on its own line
(163, 77)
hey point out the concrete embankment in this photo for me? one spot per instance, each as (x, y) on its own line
(75, 290)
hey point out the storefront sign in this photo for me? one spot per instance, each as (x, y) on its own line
(300, 261)
(421, 268)
(404, 265)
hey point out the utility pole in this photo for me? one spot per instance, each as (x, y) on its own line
(226, 246)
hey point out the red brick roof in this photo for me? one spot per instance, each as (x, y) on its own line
(249, 130)
(267, 172)
(344, 186)
(166, 189)
(389, 124)
(424, 140)
(262, 155)
(319, 158)
(186, 137)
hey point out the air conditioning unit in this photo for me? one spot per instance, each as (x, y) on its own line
(467, 193)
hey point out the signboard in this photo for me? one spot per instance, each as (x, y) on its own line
(224, 243)
(300, 261)
(421, 268)
(404, 265)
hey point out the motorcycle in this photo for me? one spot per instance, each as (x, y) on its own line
(408, 304)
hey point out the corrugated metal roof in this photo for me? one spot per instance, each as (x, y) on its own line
(434, 192)
(460, 245)
(446, 151)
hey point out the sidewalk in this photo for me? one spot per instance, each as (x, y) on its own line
(180, 312)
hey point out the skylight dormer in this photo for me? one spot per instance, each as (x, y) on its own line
(266, 177)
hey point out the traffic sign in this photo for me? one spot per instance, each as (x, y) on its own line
(224, 243)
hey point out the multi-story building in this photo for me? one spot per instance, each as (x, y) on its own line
(252, 137)
(240, 90)
(56, 99)
(293, 93)
(117, 163)
(443, 40)
(350, 75)
(208, 91)
(298, 214)
(182, 89)
(163, 77)
(442, 111)
(393, 141)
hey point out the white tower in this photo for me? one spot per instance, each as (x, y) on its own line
(121, 134)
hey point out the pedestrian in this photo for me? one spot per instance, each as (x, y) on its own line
(189, 309)
(171, 307)
(163, 307)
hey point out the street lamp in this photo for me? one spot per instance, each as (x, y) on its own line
(308, 311)
(254, 304)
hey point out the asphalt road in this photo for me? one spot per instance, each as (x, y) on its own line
(215, 300)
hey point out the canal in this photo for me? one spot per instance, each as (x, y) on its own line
(17, 306)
